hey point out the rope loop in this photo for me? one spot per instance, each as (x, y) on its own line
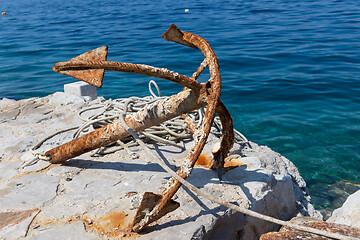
(36, 157)
(152, 82)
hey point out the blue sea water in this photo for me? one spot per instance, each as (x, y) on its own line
(290, 69)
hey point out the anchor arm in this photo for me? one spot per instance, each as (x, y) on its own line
(213, 87)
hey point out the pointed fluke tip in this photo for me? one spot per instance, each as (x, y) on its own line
(149, 202)
(92, 76)
(55, 68)
(173, 34)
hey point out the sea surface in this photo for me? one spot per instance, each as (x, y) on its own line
(290, 69)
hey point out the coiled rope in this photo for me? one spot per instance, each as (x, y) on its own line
(172, 132)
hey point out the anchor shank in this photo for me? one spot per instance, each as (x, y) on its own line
(185, 101)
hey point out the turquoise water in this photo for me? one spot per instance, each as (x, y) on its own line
(290, 69)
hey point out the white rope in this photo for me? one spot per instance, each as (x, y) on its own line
(171, 132)
(37, 155)
(152, 82)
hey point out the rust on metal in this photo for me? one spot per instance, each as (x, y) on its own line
(286, 233)
(189, 122)
(91, 76)
(213, 87)
(185, 101)
(79, 69)
(200, 69)
(149, 201)
(227, 138)
(175, 35)
(90, 68)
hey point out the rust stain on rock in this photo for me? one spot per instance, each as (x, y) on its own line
(114, 221)
(286, 233)
(232, 164)
(21, 174)
(205, 160)
(116, 224)
(13, 218)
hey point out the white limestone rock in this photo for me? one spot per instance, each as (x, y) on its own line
(258, 189)
(35, 167)
(94, 187)
(74, 230)
(60, 99)
(27, 192)
(23, 123)
(349, 213)
(5, 102)
(9, 170)
(18, 224)
(280, 165)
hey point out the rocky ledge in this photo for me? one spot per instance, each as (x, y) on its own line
(96, 197)
(344, 220)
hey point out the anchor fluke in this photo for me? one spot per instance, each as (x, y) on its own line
(92, 76)
(149, 201)
(174, 34)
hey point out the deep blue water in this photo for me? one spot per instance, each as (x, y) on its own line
(290, 69)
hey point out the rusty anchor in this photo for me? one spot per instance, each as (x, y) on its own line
(90, 67)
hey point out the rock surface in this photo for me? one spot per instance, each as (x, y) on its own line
(338, 193)
(14, 225)
(291, 234)
(97, 197)
(281, 165)
(349, 213)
